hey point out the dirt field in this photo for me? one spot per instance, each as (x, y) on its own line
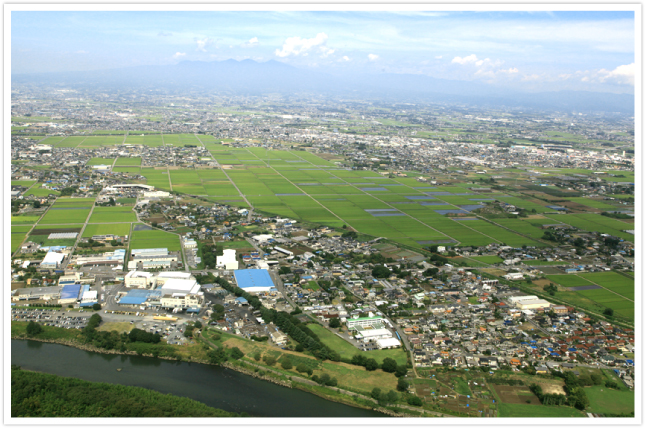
(516, 394)
(119, 327)
(549, 388)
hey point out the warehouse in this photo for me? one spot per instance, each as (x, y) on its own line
(52, 260)
(388, 343)
(533, 304)
(254, 280)
(70, 294)
(36, 293)
(372, 334)
(139, 297)
(149, 252)
(114, 258)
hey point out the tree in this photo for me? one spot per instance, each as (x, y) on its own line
(269, 360)
(286, 364)
(392, 396)
(96, 306)
(284, 270)
(608, 312)
(236, 354)
(33, 328)
(381, 272)
(198, 325)
(371, 364)
(376, 393)
(401, 371)
(334, 323)
(217, 356)
(300, 348)
(257, 356)
(389, 365)
(415, 401)
(402, 385)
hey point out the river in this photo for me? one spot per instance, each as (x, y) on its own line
(215, 386)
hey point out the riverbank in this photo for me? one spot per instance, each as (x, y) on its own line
(213, 385)
(261, 374)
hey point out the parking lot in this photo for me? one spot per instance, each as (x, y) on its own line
(52, 317)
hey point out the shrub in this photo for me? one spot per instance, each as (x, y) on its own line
(286, 364)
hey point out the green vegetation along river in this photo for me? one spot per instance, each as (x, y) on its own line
(215, 386)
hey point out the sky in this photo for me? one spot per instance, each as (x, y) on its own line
(531, 50)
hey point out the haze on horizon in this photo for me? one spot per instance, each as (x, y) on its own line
(591, 51)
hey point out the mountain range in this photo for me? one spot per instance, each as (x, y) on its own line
(258, 78)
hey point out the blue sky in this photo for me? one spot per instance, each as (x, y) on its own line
(538, 50)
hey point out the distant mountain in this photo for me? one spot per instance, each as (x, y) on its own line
(254, 78)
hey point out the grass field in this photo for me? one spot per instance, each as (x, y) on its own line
(154, 239)
(612, 281)
(113, 215)
(507, 410)
(128, 162)
(568, 280)
(66, 215)
(606, 400)
(106, 229)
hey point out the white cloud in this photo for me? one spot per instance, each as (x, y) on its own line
(298, 46)
(253, 42)
(530, 77)
(438, 57)
(179, 55)
(623, 74)
(372, 57)
(511, 70)
(203, 43)
(164, 34)
(465, 60)
(346, 58)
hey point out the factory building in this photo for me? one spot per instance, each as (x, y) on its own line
(228, 260)
(254, 280)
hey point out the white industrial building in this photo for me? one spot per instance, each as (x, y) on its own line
(138, 279)
(373, 334)
(262, 239)
(533, 304)
(388, 343)
(228, 260)
(156, 194)
(52, 260)
(514, 276)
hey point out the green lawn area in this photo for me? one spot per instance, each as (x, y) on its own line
(347, 350)
(154, 239)
(312, 285)
(529, 411)
(462, 386)
(606, 400)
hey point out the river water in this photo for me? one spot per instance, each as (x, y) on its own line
(215, 386)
